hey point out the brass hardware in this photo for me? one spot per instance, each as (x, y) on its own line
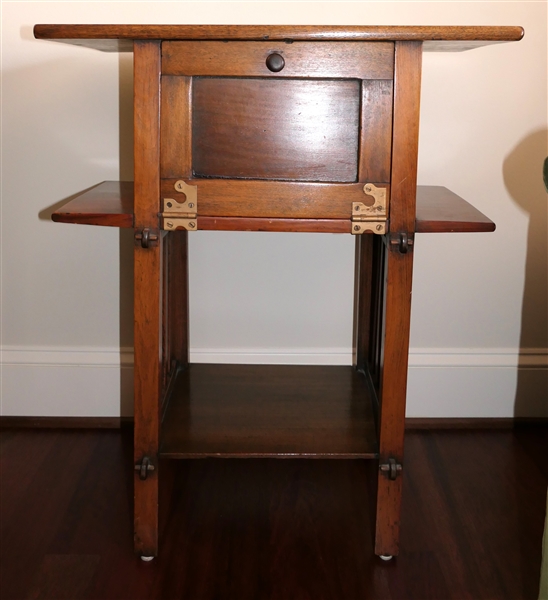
(391, 468)
(176, 208)
(146, 238)
(144, 467)
(370, 218)
(181, 215)
(380, 206)
(379, 193)
(378, 227)
(173, 223)
(190, 191)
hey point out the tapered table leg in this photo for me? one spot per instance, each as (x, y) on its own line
(148, 294)
(398, 265)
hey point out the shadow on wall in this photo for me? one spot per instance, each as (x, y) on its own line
(125, 103)
(522, 171)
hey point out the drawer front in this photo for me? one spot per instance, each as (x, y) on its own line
(292, 129)
(359, 60)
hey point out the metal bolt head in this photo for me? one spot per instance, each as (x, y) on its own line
(367, 188)
(169, 224)
(192, 224)
(356, 227)
(169, 204)
(191, 205)
(379, 227)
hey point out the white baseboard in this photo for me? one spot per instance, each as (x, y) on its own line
(477, 383)
(534, 358)
(443, 382)
(66, 382)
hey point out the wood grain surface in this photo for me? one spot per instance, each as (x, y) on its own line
(269, 410)
(397, 292)
(403, 177)
(109, 203)
(273, 199)
(119, 38)
(358, 60)
(439, 210)
(376, 131)
(363, 297)
(275, 129)
(376, 329)
(272, 225)
(274, 529)
(148, 278)
(176, 127)
(178, 291)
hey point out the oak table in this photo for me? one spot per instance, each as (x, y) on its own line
(274, 128)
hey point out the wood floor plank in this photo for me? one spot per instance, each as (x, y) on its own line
(64, 577)
(19, 467)
(493, 463)
(26, 536)
(473, 514)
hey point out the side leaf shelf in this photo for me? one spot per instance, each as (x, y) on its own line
(110, 203)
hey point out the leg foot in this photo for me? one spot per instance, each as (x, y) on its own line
(147, 558)
(383, 557)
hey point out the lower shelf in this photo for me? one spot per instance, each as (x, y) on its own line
(269, 411)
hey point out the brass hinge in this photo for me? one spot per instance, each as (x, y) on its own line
(391, 468)
(180, 215)
(144, 467)
(373, 217)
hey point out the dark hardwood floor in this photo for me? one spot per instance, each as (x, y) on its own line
(473, 513)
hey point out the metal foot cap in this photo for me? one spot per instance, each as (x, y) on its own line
(386, 557)
(147, 558)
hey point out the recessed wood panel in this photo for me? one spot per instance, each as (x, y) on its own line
(359, 60)
(276, 129)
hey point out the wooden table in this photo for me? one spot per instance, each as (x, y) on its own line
(274, 128)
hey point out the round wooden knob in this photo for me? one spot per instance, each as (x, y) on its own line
(275, 62)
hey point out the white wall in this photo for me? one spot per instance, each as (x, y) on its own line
(480, 313)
